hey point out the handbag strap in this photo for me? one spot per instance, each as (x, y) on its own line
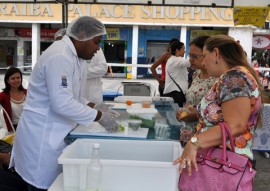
(175, 82)
(229, 133)
(224, 162)
(225, 129)
(224, 155)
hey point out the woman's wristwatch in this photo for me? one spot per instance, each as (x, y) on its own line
(195, 141)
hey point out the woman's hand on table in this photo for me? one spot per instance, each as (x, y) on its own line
(187, 159)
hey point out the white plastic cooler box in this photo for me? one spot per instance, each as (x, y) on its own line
(128, 165)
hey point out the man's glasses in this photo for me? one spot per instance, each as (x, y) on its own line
(194, 56)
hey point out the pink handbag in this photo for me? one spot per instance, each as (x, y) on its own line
(219, 169)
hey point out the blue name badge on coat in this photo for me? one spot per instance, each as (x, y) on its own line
(64, 82)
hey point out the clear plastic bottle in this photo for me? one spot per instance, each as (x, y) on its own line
(95, 170)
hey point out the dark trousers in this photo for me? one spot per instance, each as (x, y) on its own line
(177, 96)
(32, 188)
(10, 181)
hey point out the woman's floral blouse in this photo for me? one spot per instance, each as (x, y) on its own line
(198, 88)
(237, 82)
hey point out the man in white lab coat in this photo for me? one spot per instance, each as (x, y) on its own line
(95, 69)
(55, 104)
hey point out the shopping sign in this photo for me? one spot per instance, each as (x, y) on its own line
(255, 16)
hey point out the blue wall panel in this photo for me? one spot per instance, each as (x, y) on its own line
(144, 36)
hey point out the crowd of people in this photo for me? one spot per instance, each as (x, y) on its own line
(223, 88)
(261, 62)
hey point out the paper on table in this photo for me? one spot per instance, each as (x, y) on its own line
(97, 130)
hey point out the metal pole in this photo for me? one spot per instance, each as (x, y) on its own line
(66, 15)
(63, 15)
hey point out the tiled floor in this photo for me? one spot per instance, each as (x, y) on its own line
(262, 178)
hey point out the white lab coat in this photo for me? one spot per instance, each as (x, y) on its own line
(177, 68)
(96, 68)
(54, 106)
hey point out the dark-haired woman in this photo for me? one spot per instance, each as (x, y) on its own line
(13, 96)
(201, 81)
(176, 80)
(162, 62)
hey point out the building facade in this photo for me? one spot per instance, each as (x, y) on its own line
(135, 34)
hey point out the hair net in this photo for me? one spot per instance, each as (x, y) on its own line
(60, 33)
(85, 28)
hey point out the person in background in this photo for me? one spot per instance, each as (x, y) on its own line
(176, 83)
(256, 65)
(95, 69)
(55, 104)
(60, 34)
(153, 59)
(201, 81)
(162, 61)
(12, 98)
(235, 99)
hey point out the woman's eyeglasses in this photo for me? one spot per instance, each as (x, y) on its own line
(194, 56)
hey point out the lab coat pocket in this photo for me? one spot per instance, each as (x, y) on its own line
(57, 134)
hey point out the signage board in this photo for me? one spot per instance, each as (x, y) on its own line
(255, 16)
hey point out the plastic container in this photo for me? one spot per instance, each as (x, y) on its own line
(145, 113)
(134, 124)
(134, 99)
(127, 164)
(146, 104)
(183, 112)
(162, 101)
(186, 133)
(161, 130)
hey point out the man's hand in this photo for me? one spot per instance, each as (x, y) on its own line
(107, 121)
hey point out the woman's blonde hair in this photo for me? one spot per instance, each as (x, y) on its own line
(234, 55)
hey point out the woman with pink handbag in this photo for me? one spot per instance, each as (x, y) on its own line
(231, 109)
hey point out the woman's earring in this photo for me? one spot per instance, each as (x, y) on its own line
(216, 62)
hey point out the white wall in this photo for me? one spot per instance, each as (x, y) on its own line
(244, 35)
